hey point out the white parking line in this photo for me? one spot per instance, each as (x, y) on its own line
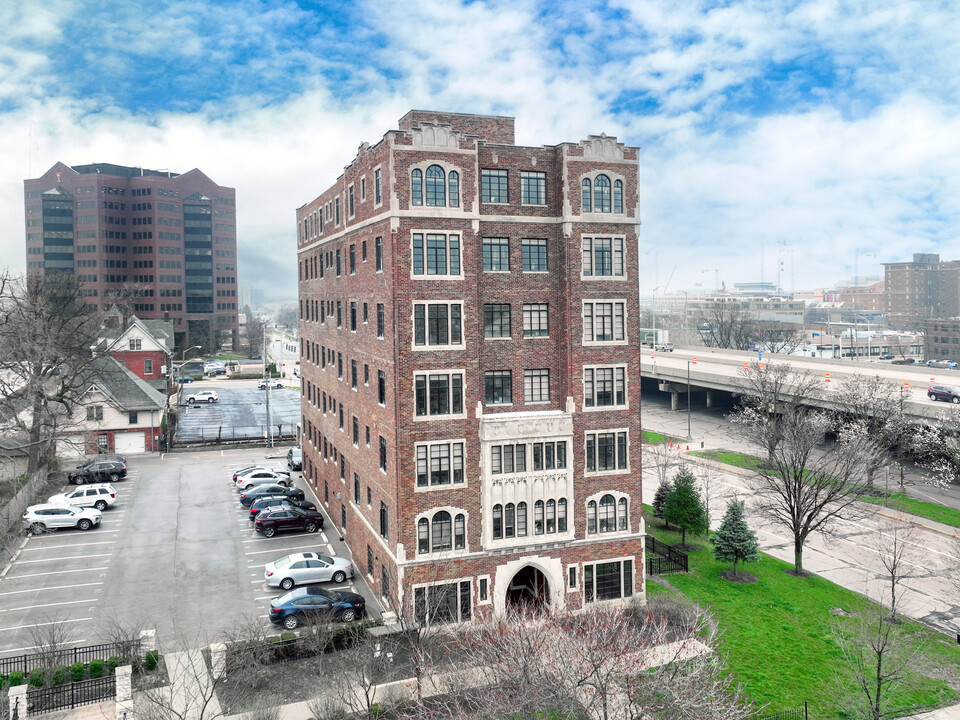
(58, 559)
(55, 622)
(44, 589)
(31, 607)
(34, 647)
(293, 549)
(52, 547)
(54, 572)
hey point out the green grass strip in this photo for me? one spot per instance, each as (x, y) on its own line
(778, 632)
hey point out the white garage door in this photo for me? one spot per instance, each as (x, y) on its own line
(131, 442)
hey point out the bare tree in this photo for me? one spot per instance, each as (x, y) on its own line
(46, 335)
(805, 486)
(664, 457)
(125, 298)
(190, 695)
(879, 657)
(936, 445)
(253, 337)
(779, 338)
(362, 672)
(895, 543)
(876, 404)
(728, 324)
(52, 637)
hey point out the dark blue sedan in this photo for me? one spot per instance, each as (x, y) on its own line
(315, 604)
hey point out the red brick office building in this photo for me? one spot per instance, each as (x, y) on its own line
(171, 236)
(470, 359)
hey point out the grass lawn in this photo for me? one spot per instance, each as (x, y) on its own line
(777, 632)
(730, 458)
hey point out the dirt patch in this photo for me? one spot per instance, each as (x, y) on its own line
(741, 578)
(843, 613)
(801, 574)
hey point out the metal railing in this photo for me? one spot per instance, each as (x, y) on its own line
(669, 560)
(796, 714)
(67, 656)
(71, 695)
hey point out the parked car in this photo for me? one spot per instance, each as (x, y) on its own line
(287, 520)
(184, 379)
(944, 392)
(277, 492)
(314, 604)
(99, 496)
(271, 503)
(886, 356)
(262, 385)
(104, 458)
(39, 518)
(306, 567)
(248, 468)
(207, 396)
(295, 458)
(263, 477)
(97, 472)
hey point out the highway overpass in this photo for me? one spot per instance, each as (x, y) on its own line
(711, 369)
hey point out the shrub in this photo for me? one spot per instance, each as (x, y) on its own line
(96, 668)
(150, 660)
(288, 636)
(112, 662)
(77, 671)
(15, 678)
(37, 677)
(60, 674)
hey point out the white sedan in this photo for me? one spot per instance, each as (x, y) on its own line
(306, 567)
(99, 496)
(207, 396)
(39, 518)
(277, 384)
(262, 476)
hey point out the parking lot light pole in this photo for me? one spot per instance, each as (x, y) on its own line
(183, 357)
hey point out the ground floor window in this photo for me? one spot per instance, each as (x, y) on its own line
(446, 603)
(608, 580)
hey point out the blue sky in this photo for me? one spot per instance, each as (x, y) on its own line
(821, 132)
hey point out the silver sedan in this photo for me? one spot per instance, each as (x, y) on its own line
(304, 568)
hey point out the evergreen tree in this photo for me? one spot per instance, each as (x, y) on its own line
(660, 498)
(684, 506)
(735, 540)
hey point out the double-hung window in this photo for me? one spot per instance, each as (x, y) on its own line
(439, 463)
(603, 257)
(496, 321)
(534, 254)
(604, 321)
(606, 451)
(496, 255)
(436, 255)
(438, 394)
(437, 324)
(536, 385)
(498, 387)
(536, 320)
(605, 386)
(493, 186)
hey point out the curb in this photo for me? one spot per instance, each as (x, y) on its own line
(14, 558)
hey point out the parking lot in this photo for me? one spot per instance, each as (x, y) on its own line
(177, 553)
(241, 411)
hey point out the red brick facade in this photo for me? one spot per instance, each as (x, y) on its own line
(480, 544)
(137, 362)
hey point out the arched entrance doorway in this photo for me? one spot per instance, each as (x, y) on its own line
(529, 590)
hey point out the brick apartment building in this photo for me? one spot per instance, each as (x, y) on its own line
(921, 289)
(171, 237)
(470, 359)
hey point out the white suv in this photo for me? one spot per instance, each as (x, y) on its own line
(207, 396)
(99, 496)
(39, 518)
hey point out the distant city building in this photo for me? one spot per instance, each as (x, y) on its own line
(941, 339)
(920, 290)
(779, 310)
(861, 298)
(469, 332)
(168, 242)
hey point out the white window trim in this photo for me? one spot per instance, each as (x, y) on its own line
(605, 343)
(489, 599)
(626, 387)
(447, 234)
(439, 371)
(592, 177)
(549, 388)
(351, 214)
(373, 176)
(447, 167)
(428, 514)
(566, 577)
(605, 431)
(603, 278)
(450, 485)
(427, 347)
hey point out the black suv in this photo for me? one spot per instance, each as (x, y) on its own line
(248, 497)
(98, 471)
(289, 518)
(268, 503)
(944, 392)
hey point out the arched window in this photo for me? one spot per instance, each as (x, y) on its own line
(509, 521)
(561, 515)
(497, 522)
(423, 536)
(602, 199)
(521, 519)
(416, 187)
(622, 514)
(459, 532)
(618, 196)
(607, 517)
(436, 187)
(453, 180)
(592, 517)
(587, 199)
(538, 517)
(551, 516)
(442, 540)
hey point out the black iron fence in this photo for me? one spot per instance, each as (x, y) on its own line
(126, 652)
(71, 695)
(796, 714)
(669, 560)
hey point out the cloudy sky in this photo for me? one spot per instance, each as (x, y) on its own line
(821, 133)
